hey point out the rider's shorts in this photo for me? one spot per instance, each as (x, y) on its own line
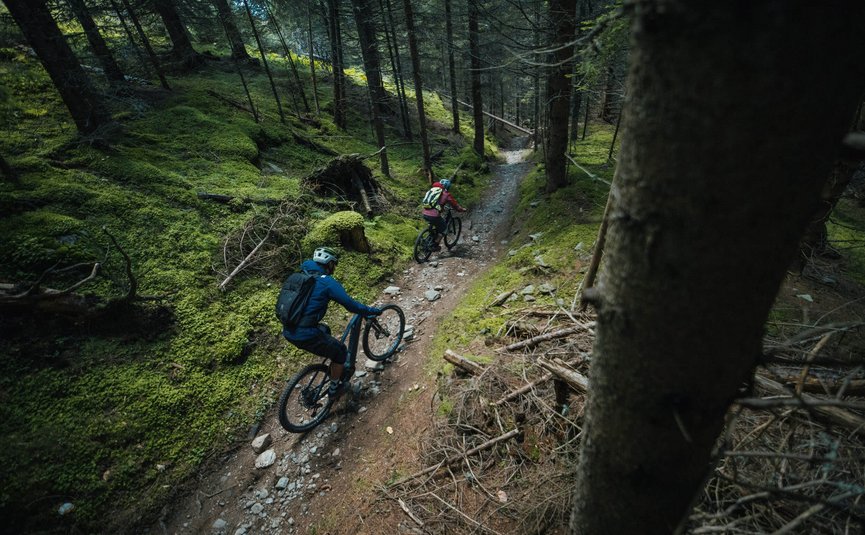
(438, 221)
(324, 345)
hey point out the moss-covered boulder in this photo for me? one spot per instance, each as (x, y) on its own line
(342, 228)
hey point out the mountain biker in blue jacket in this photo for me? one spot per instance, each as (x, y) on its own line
(315, 337)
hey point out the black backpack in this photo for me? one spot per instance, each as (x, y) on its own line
(293, 298)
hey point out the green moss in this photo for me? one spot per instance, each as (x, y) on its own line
(847, 233)
(327, 231)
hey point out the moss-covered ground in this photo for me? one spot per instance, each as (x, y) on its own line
(110, 419)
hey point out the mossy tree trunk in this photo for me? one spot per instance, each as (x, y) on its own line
(145, 42)
(312, 74)
(97, 43)
(559, 92)
(235, 39)
(475, 62)
(396, 67)
(716, 182)
(264, 62)
(81, 99)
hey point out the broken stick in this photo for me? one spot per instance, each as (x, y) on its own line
(561, 333)
(463, 363)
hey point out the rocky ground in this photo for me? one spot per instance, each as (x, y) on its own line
(328, 480)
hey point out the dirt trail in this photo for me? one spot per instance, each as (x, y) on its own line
(326, 481)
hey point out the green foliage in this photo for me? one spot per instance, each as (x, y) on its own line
(847, 234)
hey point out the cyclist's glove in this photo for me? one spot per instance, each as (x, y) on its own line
(373, 312)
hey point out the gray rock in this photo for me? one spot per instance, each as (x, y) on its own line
(476, 238)
(512, 252)
(540, 261)
(256, 509)
(579, 247)
(65, 509)
(219, 524)
(528, 297)
(335, 453)
(373, 365)
(265, 459)
(438, 287)
(261, 443)
(536, 236)
(560, 302)
(240, 531)
(432, 295)
(534, 204)
(528, 290)
(282, 483)
(392, 290)
(546, 288)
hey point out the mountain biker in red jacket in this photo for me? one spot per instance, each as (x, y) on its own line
(434, 215)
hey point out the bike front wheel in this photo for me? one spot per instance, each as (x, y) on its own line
(383, 333)
(423, 246)
(304, 403)
(452, 234)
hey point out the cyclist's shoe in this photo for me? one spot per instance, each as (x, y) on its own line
(336, 390)
(436, 247)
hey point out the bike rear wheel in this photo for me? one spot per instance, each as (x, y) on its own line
(423, 246)
(304, 403)
(452, 234)
(382, 334)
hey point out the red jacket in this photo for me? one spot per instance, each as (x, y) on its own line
(445, 198)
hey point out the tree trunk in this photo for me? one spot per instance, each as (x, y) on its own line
(235, 40)
(97, 43)
(396, 66)
(452, 67)
(536, 79)
(418, 90)
(715, 185)
(477, 101)
(559, 93)
(295, 75)
(83, 102)
(264, 61)
(336, 64)
(145, 42)
(366, 31)
(181, 45)
(312, 61)
(609, 88)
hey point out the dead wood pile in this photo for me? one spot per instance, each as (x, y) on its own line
(502, 458)
(347, 177)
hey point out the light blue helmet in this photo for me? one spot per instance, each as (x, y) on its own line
(446, 184)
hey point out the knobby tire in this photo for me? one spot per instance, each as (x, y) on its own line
(304, 403)
(383, 334)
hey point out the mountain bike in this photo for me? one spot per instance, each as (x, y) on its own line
(425, 241)
(304, 403)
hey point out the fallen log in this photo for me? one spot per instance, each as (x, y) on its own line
(457, 458)
(834, 415)
(561, 333)
(501, 298)
(577, 381)
(463, 363)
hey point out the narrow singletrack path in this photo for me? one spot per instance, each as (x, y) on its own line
(326, 481)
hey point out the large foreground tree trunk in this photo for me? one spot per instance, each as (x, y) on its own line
(84, 104)
(182, 48)
(716, 181)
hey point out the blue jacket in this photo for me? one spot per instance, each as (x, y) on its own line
(326, 289)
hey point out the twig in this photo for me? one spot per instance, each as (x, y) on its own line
(561, 333)
(463, 363)
(411, 515)
(811, 354)
(544, 378)
(133, 282)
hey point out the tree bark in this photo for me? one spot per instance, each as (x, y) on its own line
(418, 90)
(145, 42)
(182, 48)
(396, 65)
(97, 43)
(367, 31)
(336, 64)
(85, 105)
(235, 40)
(312, 61)
(716, 183)
(449, 28)
(264, 61)
(475, 61)
(559, 93)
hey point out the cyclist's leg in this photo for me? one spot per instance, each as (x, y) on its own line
(325, 345)
(439, 225)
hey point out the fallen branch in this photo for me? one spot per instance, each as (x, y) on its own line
(520, 391)
(133, 282)
(577, 381)
(457, 458)
(248, 258)
(411, 515)
(500, 299)
(583, 169)
(463, 363)
(561, 333)
(229, 101)
(835, 415)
